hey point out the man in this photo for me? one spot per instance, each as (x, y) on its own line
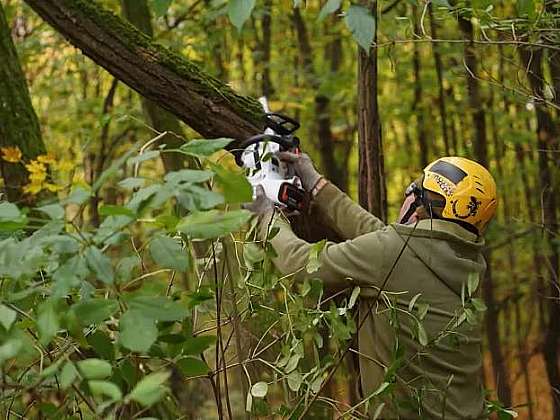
(433, 255)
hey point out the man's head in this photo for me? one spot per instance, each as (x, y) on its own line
(455, 189)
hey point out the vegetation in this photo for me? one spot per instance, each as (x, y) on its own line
(131, 285)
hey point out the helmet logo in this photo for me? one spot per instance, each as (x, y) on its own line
(472, 208)
(445, 185)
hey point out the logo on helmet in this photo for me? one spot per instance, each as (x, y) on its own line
(444, 184)
(472, 208)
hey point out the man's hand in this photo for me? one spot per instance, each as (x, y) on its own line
(261, 205)
(303, 166)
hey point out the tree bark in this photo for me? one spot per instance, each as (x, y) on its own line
(372, 189)
(19, 125)
(418, 106)
(547, 141)
(439, 73)
(206, 104)
(481, 155)
(137, 12)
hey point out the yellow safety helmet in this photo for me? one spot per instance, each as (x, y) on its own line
(468, 188)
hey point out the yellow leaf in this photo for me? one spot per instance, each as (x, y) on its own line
(36, 167)
(46, 159)
(52, 187)
(32, 188)
(11, 154)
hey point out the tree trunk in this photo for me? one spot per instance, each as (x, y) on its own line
(137, 12)
(19, 125)
(439, 73)
(481, 155)
(417, 106)
(372, 189)
(206, 104)
(547, 140)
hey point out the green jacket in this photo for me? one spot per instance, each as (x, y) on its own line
(444, 377)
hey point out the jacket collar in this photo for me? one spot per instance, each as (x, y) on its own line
(440, 228)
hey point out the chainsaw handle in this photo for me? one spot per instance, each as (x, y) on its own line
(286, 143)
(281, 124)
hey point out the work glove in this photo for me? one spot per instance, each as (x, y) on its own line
(261, 205)
(303, 166)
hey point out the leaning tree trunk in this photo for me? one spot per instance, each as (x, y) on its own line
(481, 154)
(137, 12)
(203, 102)
(418, 104)
(547, 141)
(372, 190)
(19, 125)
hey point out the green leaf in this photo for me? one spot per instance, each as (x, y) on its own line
(112, 210)
(100, 264)
(137, 332)
(330, 6)
(94, 311)
(79, 196)
(526, 8)
(234, 185)
(167, 253)
(95, 368)
(190, 366)
(106, 388)
(48, 322)
(239, 11)
(7, 316)
(197, 345)
(353, 297)
(195, 198)
(422, 310)
(294, 381)
(204, 148)
(11, 219)
(422, 335)
(132, 183)
(259, 390)
(68, 375)
(413, 301)
(54, 211)
(9, 349)
(479, 304)
(472, 282)
(161, 6)
(52, 369)
(188, 176)
(441, 3)
(150, 389)
(159, 308)
(142, 157)
(362, 25)
(102, 344)
(213, 223)
(198, 297)
(313, 263)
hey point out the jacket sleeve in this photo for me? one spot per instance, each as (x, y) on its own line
(354, 262)
(343, 215)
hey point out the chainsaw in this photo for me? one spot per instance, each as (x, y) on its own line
(257, 155)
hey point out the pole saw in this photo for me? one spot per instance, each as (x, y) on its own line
(258, 156)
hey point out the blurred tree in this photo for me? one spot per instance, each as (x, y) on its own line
(19, 126)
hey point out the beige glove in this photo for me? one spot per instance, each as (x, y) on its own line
(303, 166)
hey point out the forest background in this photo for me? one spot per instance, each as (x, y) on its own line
(127, 289)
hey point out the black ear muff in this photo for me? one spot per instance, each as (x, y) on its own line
(413, 206)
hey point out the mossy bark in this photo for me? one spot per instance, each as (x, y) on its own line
(137, 12)
(206, 104)
(19, 125)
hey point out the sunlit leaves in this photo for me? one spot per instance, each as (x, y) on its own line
(234, 185)
(204, 148)
(94, 368)
(212, 223)
(313, 264)
(361, 24)
(150, 389)
(137, 332)
(239, 11)
(168, 253)
(105, 388)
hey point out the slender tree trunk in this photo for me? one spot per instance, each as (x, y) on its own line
(267, 87)
(481, 154)
(372, 189)
(418, 105)
(547, 141)
(441, 90)
(19, 126)
(137, 12)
